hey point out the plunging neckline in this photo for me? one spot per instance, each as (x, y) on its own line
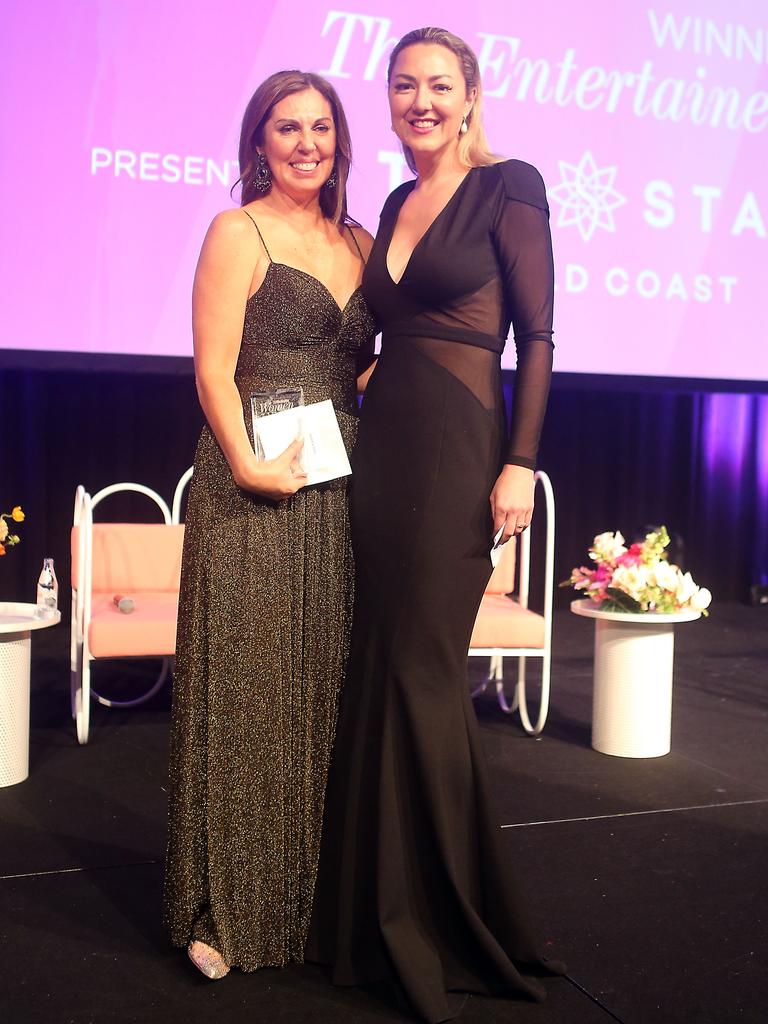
(424, 234)
(304, 273)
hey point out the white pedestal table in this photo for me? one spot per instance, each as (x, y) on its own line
(632, 695)
(17, 620)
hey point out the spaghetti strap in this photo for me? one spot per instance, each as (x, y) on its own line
(357, 246)
(266, 250)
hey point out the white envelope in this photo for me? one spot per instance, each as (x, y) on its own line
(323, 456)
(497, 549)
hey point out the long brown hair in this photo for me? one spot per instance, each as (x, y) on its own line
(333, 201)
(474, 150)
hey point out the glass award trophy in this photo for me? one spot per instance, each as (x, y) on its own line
(266, 404)
(280, 416)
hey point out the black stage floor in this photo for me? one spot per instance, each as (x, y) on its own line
(648, 877)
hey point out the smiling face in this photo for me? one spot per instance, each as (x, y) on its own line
(299, 142)
(428, 98)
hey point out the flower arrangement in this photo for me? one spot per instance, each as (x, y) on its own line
(8, 539)
(638, 578)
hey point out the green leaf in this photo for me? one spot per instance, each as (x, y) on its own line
(620, 602)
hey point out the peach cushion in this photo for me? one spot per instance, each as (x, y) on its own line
(131, 557)
(501, 622)
(502, 579)
(150, 629)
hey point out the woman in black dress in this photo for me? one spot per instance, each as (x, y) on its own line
(413, 885)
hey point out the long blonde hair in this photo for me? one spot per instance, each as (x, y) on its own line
(474, 150)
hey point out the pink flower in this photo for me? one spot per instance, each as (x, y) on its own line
(633, 556)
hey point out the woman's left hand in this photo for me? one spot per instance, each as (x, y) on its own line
(512, 501)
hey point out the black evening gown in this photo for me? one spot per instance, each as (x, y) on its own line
(414, 885)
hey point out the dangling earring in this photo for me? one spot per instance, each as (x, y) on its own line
(463, 127)
(332, 182)
(262, 180)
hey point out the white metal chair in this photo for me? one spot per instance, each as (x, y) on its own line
(506, 627)
(178, 494)
(142, 560)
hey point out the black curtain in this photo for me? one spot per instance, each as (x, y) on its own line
(61, 429)
(620, 457)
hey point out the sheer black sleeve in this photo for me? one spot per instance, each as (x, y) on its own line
(524, 249)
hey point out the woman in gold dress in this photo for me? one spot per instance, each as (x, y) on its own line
(266, 584)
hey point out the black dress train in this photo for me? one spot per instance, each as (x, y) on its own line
(413, 885)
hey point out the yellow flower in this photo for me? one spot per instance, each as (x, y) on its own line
(17, 514)
(3, 528)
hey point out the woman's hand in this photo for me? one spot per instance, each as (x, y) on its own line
(275, 478)
(512, 501)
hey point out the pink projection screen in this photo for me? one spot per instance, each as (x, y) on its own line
(648, 121)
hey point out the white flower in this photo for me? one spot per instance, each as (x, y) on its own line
(662, 574)
(607, 547)
(701, 600)
(685, 589)
(3, 529)
(632, 579)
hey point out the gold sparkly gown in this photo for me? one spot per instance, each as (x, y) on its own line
(263, 629)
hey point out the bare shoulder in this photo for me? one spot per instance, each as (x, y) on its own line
(233, 226)
(230, 255)
(363, 238)
(231, 244)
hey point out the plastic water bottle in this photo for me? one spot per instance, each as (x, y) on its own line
(47, 591)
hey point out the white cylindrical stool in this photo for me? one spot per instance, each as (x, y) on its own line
(632, 696)
(17, 620)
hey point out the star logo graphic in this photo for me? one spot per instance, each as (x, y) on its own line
(586, 196)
